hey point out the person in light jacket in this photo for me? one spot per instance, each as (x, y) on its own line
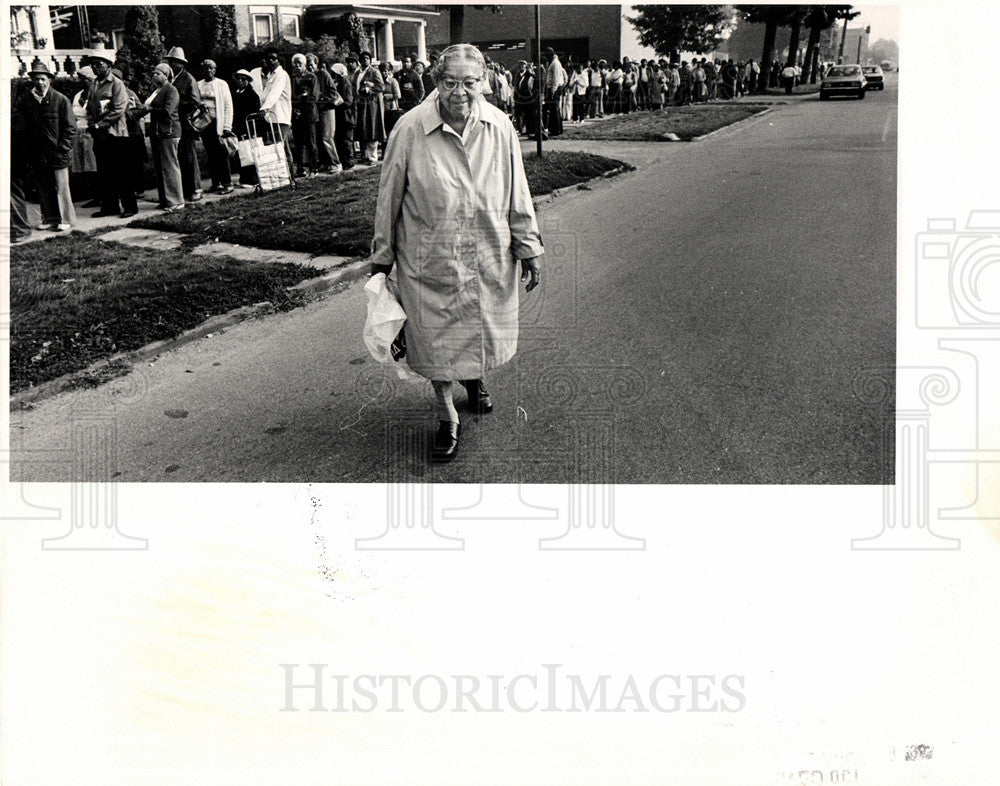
(164, 130)
(217, 99)
(456, 155)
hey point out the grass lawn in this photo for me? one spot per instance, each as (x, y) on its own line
(684, 121)
(76, 300)
(335, 215)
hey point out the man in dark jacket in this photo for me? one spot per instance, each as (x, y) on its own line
(190, 100)
(49, 127)
(346, 116)
(411, 86)
(20, 174)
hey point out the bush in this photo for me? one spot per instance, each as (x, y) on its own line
(143, 48)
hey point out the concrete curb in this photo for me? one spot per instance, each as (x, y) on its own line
(309, 288)
(731, 126)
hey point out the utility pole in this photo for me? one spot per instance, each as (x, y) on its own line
(843, 40)
(539, 82)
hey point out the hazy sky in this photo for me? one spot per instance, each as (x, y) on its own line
(884, 20)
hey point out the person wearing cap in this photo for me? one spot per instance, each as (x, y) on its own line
(454, 222)
(106, 106)
(217, 99)
(246, 104)
(189, 98)
(425, 76)
(165, 134)
(49, 130)
(347, 116)
(370, 128)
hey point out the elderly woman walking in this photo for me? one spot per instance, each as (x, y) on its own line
(455, 221)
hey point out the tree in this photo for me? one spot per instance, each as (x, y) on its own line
(143, 48)
(884, 49)
(772, 17)
(218, 28)
(820, 18)
(349, 31)
(671, 29)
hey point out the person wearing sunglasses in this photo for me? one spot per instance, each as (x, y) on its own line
(456, 228)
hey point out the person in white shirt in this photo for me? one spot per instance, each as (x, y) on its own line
(578, 90)
(276, 97)
(555, 84)
(218, 100)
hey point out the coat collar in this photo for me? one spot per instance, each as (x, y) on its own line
(432, 120)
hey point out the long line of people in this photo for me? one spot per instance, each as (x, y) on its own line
(330, 117)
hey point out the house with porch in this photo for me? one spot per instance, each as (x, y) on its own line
(61, 35)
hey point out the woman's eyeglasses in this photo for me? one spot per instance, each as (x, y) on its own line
(450, 84)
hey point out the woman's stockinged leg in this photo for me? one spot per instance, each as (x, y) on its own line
(444, 393)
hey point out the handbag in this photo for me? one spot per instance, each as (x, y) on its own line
(200, 119)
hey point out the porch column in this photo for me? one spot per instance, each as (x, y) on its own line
(422, 41)
(388, 51)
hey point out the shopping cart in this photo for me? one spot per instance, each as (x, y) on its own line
(270, 156)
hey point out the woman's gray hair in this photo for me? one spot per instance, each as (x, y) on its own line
(466, 53)
(298, 57)
(165, 69)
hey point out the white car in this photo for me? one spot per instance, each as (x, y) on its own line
(843, 80)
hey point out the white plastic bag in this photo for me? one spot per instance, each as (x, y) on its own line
(383, 323)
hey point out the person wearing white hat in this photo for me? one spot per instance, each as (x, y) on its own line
(50, 128)
(106, 105)
(190, 101)
(246, 103)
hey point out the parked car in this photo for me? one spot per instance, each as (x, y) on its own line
(843, 80)
(874, 77)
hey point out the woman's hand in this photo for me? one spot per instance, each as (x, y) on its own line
(529, 273)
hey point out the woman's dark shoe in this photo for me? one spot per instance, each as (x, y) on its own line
(479, 399)
(445, 445)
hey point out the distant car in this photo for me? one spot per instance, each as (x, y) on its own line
(843, 80)
(874, 77)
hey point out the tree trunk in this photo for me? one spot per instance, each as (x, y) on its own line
(456, 23)
(770, 33)
(809, 70)
(815, 67)
(793, 43)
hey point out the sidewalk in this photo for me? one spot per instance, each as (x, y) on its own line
(86, 222)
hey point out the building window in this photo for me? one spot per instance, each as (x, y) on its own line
(118, 38)
(263, 28)
(290, 25)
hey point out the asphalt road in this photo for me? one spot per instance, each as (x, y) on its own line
(701, 320)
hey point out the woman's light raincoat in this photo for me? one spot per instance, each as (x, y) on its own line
(454, 217)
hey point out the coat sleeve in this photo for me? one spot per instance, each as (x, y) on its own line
(525, 240)
(67, 128)
(391, 187)
(117, 105)
(225, 98)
